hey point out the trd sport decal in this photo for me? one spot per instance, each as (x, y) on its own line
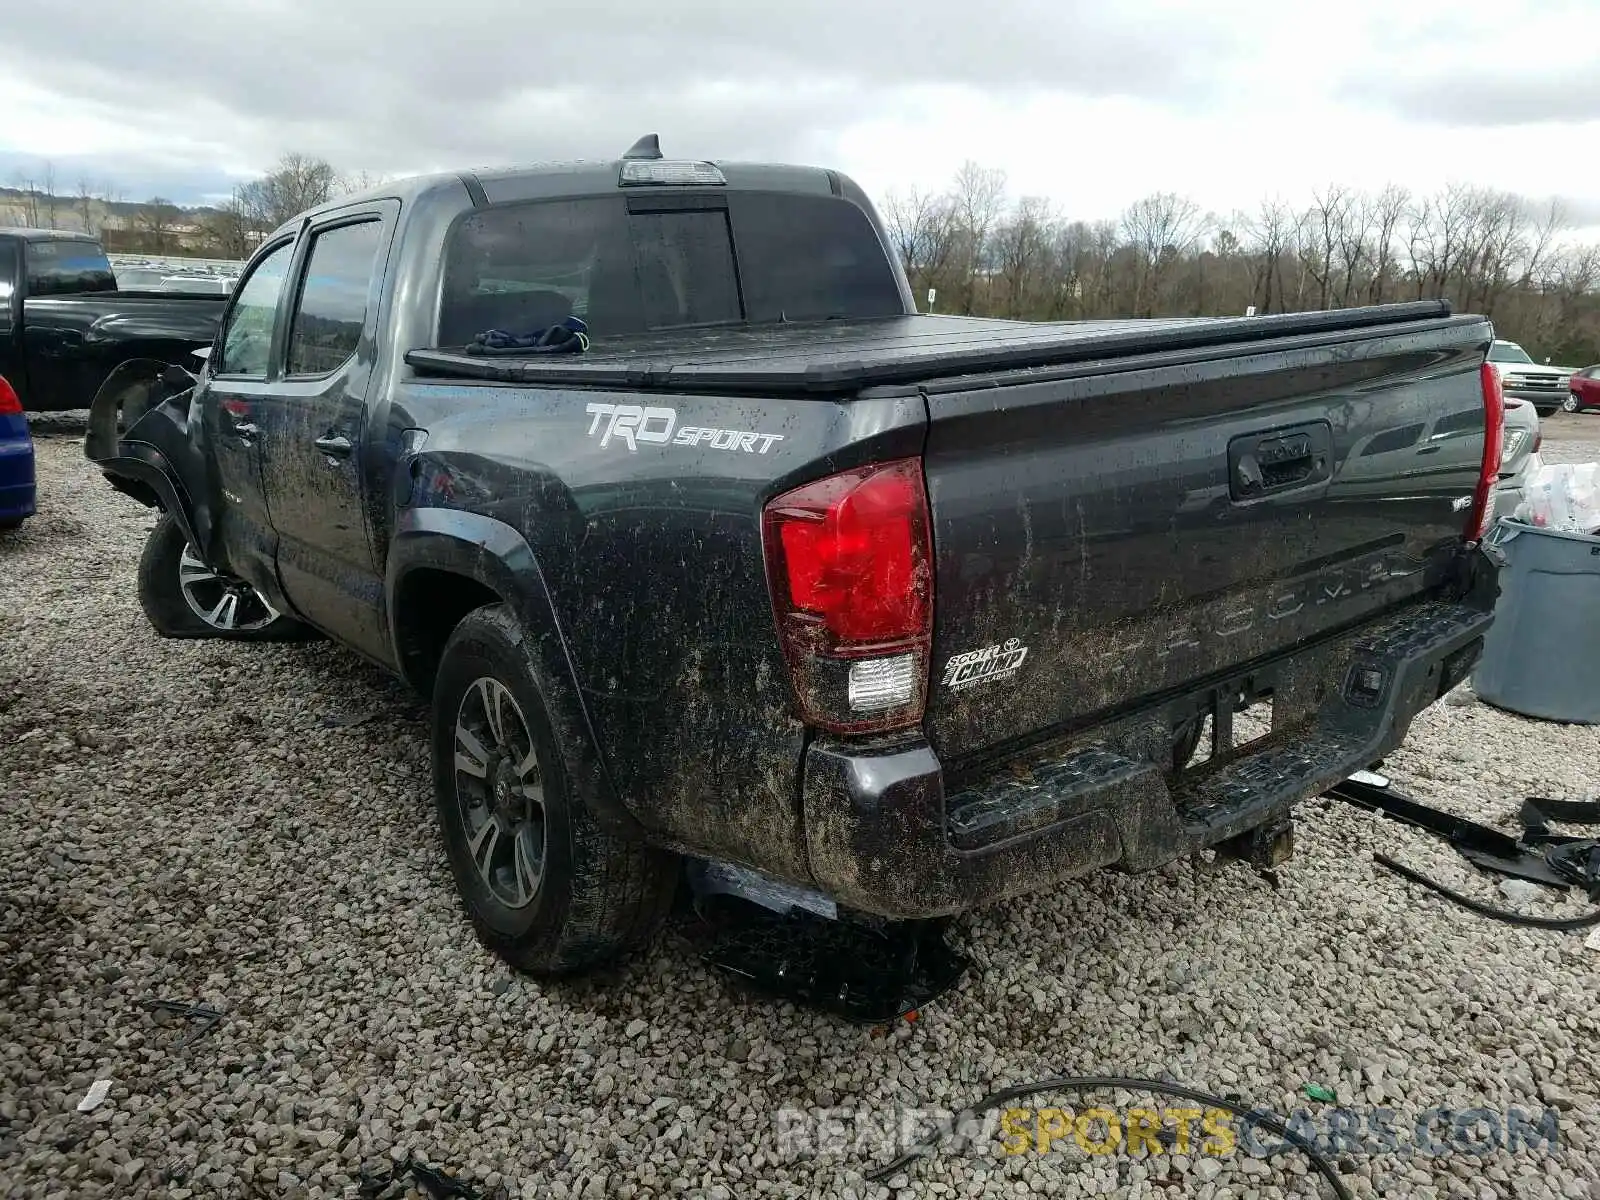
(984, 666)
(633, 424)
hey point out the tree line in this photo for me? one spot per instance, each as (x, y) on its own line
(986, 253)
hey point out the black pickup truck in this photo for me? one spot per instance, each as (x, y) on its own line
(65, 325)
(749, 562)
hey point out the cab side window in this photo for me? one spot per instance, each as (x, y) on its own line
(247, 338)
(332, 307)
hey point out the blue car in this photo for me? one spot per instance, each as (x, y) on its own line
(16, 460)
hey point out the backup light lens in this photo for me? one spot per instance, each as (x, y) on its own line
(641, 172)
(880, 683)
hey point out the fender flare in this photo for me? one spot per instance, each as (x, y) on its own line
(133, 465)
(141, 464)
(494, 554)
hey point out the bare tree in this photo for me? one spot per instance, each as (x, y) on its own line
(86, 209)
(1542, 241)
(978, 200)
(1269, 236)
(1323, 231)
(1384, 214)
(1161, 229)
(1022, 246)
(155, 223)
(1439, 227)
(921, 229)
(297, 183)
(30, 198)
(49, 185)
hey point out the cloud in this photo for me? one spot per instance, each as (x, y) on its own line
(1558, 91)
(386, 86)
(1091, 103)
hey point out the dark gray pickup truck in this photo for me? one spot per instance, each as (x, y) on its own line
(748, 561)
(65, 325)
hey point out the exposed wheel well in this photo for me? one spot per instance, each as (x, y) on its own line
(428, 606)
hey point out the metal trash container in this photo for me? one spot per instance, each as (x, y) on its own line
(1541, 657)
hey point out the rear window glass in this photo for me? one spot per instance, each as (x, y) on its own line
(755, 257)
(66, 268)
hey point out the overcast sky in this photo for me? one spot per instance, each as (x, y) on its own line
(1092, 104)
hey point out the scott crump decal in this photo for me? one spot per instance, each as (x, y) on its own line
(984, 666)
(632, 424)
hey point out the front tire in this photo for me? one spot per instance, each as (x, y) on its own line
(1570, 404)
(545, 887)
(182, 597)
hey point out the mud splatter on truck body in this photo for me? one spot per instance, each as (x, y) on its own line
(910, 609)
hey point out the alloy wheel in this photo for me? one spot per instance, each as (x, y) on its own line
(226, 604)
(500, 790)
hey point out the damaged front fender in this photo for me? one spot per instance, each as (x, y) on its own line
(147, 439)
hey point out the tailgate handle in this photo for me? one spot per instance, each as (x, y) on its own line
(1262, 464)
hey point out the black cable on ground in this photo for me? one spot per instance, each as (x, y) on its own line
(1066, 1083)
(1507, 915)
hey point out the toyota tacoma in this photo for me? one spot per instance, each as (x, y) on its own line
(705, 544)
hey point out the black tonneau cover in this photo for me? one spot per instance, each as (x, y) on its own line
(838, 356)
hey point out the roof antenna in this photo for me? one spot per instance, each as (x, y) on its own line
(649, 146)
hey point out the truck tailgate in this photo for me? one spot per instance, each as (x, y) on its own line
(1107, 533)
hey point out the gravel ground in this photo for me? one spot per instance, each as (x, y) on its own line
(249, 827)
(1571, 438)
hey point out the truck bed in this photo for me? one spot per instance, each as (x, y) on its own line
(843, 356)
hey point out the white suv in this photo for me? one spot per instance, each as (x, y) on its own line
(1523, 379)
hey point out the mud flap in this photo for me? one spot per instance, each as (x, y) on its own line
(144, 438)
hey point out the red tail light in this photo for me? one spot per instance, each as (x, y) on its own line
(849, 563)
(10, 406)
(1494, 417)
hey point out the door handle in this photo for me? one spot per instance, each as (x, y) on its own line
(334, 444)
(246, 429)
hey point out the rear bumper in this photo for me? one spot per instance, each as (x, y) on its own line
(885, 836)
(17, 487)
(1544, 400)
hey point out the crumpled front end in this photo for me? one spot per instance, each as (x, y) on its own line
(144, 437)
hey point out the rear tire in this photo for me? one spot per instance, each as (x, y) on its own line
(176, 596)
(545, 887)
